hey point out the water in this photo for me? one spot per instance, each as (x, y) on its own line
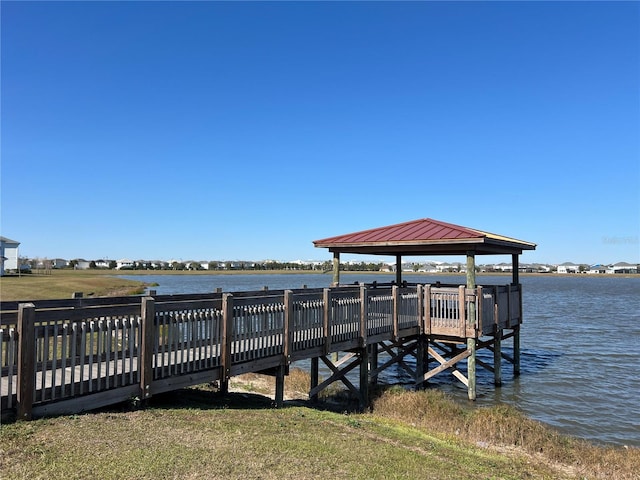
(580, 347)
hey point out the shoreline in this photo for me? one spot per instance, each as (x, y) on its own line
(353, 272)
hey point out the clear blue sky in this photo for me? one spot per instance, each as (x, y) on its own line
(222, 131)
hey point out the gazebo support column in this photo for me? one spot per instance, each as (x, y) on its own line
(336, 268)
(398, 269)
(471, 341)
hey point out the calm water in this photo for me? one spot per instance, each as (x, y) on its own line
(580, 345)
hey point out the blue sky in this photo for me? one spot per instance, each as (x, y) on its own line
(226, 130)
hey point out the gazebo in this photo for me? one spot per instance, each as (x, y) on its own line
(429, 237)
(422, 238)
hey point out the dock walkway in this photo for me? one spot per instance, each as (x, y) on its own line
(66, 356)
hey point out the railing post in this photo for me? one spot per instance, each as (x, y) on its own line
(227, 337)
(147, 336)
(462, 309)
(420, 319)
(427, 309)
(364, 314)
(26, 360)
(395, 292)
(80, 339)
(288, 322)
(327, 320)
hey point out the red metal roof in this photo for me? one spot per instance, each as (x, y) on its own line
(416, 230)
(423, 236)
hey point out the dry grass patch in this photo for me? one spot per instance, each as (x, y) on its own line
(504, 428)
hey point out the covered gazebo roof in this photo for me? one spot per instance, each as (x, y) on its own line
(424, 237)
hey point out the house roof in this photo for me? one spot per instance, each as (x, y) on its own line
(8, 240)
(424, 237)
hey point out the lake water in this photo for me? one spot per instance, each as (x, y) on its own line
(580, 347)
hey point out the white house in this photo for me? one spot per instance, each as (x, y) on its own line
(82, 264)
(451, 267)
(623, 267)
(597, 269)
(59, 263)
(8, 254)
(503, 267)
(568, 267)
(428, 268)
(124, 263)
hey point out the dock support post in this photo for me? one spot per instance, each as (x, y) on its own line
(516, 350)
(364, 378)
(373, 362)
(421, 361)
(497, 358)
(471, 368)
(471, 327)
(315, 374)
(280, 374)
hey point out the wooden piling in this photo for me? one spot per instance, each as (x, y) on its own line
(280, 376)
(471, 325)
(315, 377)
(497, 358)
(364, 378)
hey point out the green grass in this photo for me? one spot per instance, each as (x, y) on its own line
(63, 283)
(197, 433)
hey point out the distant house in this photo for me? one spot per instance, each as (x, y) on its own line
(59, 263)
(82, 264)
(541, 268)
(428, 268)
(568, 267)
(8, 254)
(450, 267)
(597, 269)
(503, 267)
(623, 267)
(124, 264)
(101, 263)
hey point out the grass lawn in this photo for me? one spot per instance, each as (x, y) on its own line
(198, 433)
(63, 283)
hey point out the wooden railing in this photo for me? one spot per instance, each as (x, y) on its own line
(71, 355)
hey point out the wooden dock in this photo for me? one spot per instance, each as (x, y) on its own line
(67, 356)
